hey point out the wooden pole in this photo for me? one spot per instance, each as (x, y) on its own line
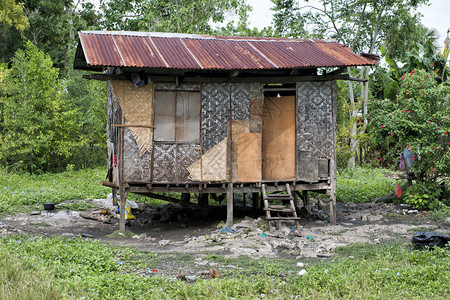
(230, 205)
(255, 197)
(114, 194)
(230, 163)
(333, 157)
(123, 199)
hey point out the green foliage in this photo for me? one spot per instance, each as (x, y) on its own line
(74, 268)
(360, 24)
(425, 195)
(12, 15)
(182, 16)
(441, 214)
(25, 189)
(419, 120)
(363, 185)
(84, 139)
(52, 28)
(287, 19)
(45, 122)
(31, 107)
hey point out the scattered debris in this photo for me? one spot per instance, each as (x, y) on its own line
(213, 273)
(429, 239)
(96, 217)
(181, 276)
(227, 230)
(164, 242)
(302, 272)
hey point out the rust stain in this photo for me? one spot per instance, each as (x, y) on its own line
(183, 51)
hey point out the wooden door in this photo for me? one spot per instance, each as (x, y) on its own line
(278, 138)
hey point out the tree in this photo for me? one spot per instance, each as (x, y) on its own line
(12, 15)
(362, 25)
(183, 16)
(418, 120)
(52, 28)
(30, 104)
(84, 119)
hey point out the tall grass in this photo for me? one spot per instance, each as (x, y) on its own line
(364, 185)
(49, 268)
(21, 280)
(25, 189)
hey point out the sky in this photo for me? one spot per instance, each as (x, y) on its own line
(437, 15)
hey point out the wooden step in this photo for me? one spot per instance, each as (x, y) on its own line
(280, 198)
(284, 210)
(282, 218)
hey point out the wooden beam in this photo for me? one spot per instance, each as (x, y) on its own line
(316, 187)
(131, 125)
(212, 79)
(109, 184)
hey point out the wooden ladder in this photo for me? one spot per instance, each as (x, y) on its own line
(283, 210)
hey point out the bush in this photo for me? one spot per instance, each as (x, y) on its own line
(426, 195)
(418, 120)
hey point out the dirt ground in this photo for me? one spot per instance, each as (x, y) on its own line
(170, 228)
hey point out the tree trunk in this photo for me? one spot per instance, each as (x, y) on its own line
(353, 140)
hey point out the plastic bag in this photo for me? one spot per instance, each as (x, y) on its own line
(430, 239)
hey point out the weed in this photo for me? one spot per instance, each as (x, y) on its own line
(118, 234)
(77, 206)
(61, 268)
(30, 190)
(363, 185)
(43, 224)
(440, 214)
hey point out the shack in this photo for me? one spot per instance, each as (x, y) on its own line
(218, 115)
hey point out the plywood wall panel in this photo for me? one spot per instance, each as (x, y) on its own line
(237, 127)
(249, 160)
(278, 142)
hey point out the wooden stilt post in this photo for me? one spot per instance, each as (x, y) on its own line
(123, 201)
(230, 205)
(114, 194)
(255, 203)
(333, 158)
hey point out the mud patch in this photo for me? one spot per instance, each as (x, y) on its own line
(171, 228)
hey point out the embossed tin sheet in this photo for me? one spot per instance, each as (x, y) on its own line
(136, 168)
(215, 113)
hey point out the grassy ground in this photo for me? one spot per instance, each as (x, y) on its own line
(34, 267)
(57, 268)
(25, 191)
(29, 192)
(363, 185)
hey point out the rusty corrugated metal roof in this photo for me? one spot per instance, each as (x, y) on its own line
(203, 52)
